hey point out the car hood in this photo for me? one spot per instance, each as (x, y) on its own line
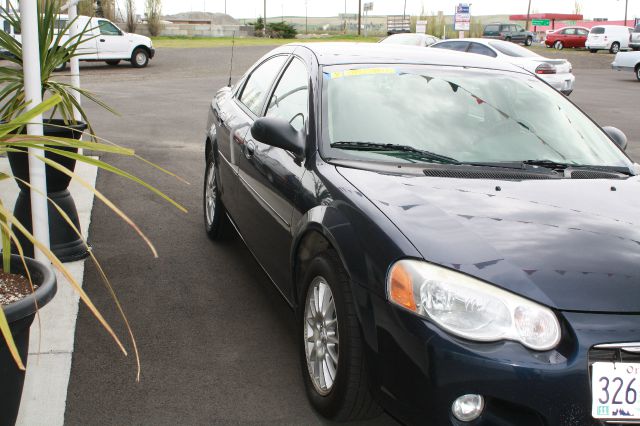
(139, 39)
(571, 244)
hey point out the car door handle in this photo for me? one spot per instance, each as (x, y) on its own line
(102, 40)
(250, 149)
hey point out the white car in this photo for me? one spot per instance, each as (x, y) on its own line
(556, 72)
(104, 41)
(411, 39)
(613, 38)
(627, 61)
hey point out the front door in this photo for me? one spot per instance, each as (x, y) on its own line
(111, 42)
(270, 180)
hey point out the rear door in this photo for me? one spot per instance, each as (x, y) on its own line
(112, 43)
(569, 37)
(270, 179)
(581, 37)
(491, 31)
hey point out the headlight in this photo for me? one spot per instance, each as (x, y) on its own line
(470, 308)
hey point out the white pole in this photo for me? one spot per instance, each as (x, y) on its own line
(75, 67)
(33, 97)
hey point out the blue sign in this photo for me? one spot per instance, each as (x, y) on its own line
(462, 8)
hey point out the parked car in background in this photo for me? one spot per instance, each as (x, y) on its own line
(458, 241)
(627, 61)
(634, 38)
(508, 32)
(567, 37)
(104, 41)
(411, 39)
(556, 72)
(608, 37)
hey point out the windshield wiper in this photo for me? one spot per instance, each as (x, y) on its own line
(554, 165)
(419, 154)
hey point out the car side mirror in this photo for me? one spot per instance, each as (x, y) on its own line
(617, 136)
(279, 133)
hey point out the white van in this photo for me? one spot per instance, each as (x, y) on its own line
(608, 37)
(104, 41)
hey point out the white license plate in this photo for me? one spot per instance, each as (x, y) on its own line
(615, 390)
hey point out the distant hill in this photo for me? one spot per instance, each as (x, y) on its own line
(217, 18)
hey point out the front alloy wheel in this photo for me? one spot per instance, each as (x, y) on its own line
(331, 343)
(558, 45)
(528, 41)
(638, 72)
(321, 336)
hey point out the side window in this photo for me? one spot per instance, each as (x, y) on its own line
(6, 27)
(460, 46)
(505, 28)
(518, 28)
(582, 32)
(570, 31)
(481, 49)
(290, 100)
(107, 28)
(255, 91)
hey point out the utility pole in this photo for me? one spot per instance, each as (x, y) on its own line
(626, 5)
(526, 26)
(306, 16)
(265, 19)
(359, 14)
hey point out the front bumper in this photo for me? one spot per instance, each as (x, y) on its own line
(419, 370)
(621, 67)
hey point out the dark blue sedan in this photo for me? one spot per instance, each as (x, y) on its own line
(460, 242)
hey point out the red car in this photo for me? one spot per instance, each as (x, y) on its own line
(567, 37)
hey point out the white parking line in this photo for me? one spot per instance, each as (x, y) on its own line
(51, 347)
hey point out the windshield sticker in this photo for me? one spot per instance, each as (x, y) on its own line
(363, 71)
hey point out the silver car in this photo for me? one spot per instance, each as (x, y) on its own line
(556, 72)
(627, 61)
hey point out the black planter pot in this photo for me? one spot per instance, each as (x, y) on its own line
(65, 243)
(20, 315)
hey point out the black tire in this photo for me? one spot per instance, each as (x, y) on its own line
(615, 47)
(113, 62)
(528, 41)
(638, 72)
(558, 45)
(635, 49)
(507, 39)
(593, 50)
(139, 58)
(349, 397)
(215, 220)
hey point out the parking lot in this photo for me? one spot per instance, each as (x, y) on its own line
(217, 342)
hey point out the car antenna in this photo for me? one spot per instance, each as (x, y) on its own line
(233, 42)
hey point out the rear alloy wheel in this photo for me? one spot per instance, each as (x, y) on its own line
(615, 47)
(507, 39)
(331, 346)
(558, 45)
(113, 62)
(139, 58)
(528, 41)
(214, 220)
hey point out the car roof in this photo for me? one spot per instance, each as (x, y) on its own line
(371, 53)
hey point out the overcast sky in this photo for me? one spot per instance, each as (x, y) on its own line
(612, 9)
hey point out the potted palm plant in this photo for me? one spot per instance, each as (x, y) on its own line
(19, 303)
(57, 47)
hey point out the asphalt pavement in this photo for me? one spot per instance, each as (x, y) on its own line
(217, 342)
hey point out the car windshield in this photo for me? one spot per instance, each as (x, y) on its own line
(448, 114)
(405, 39)
(512, 49)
